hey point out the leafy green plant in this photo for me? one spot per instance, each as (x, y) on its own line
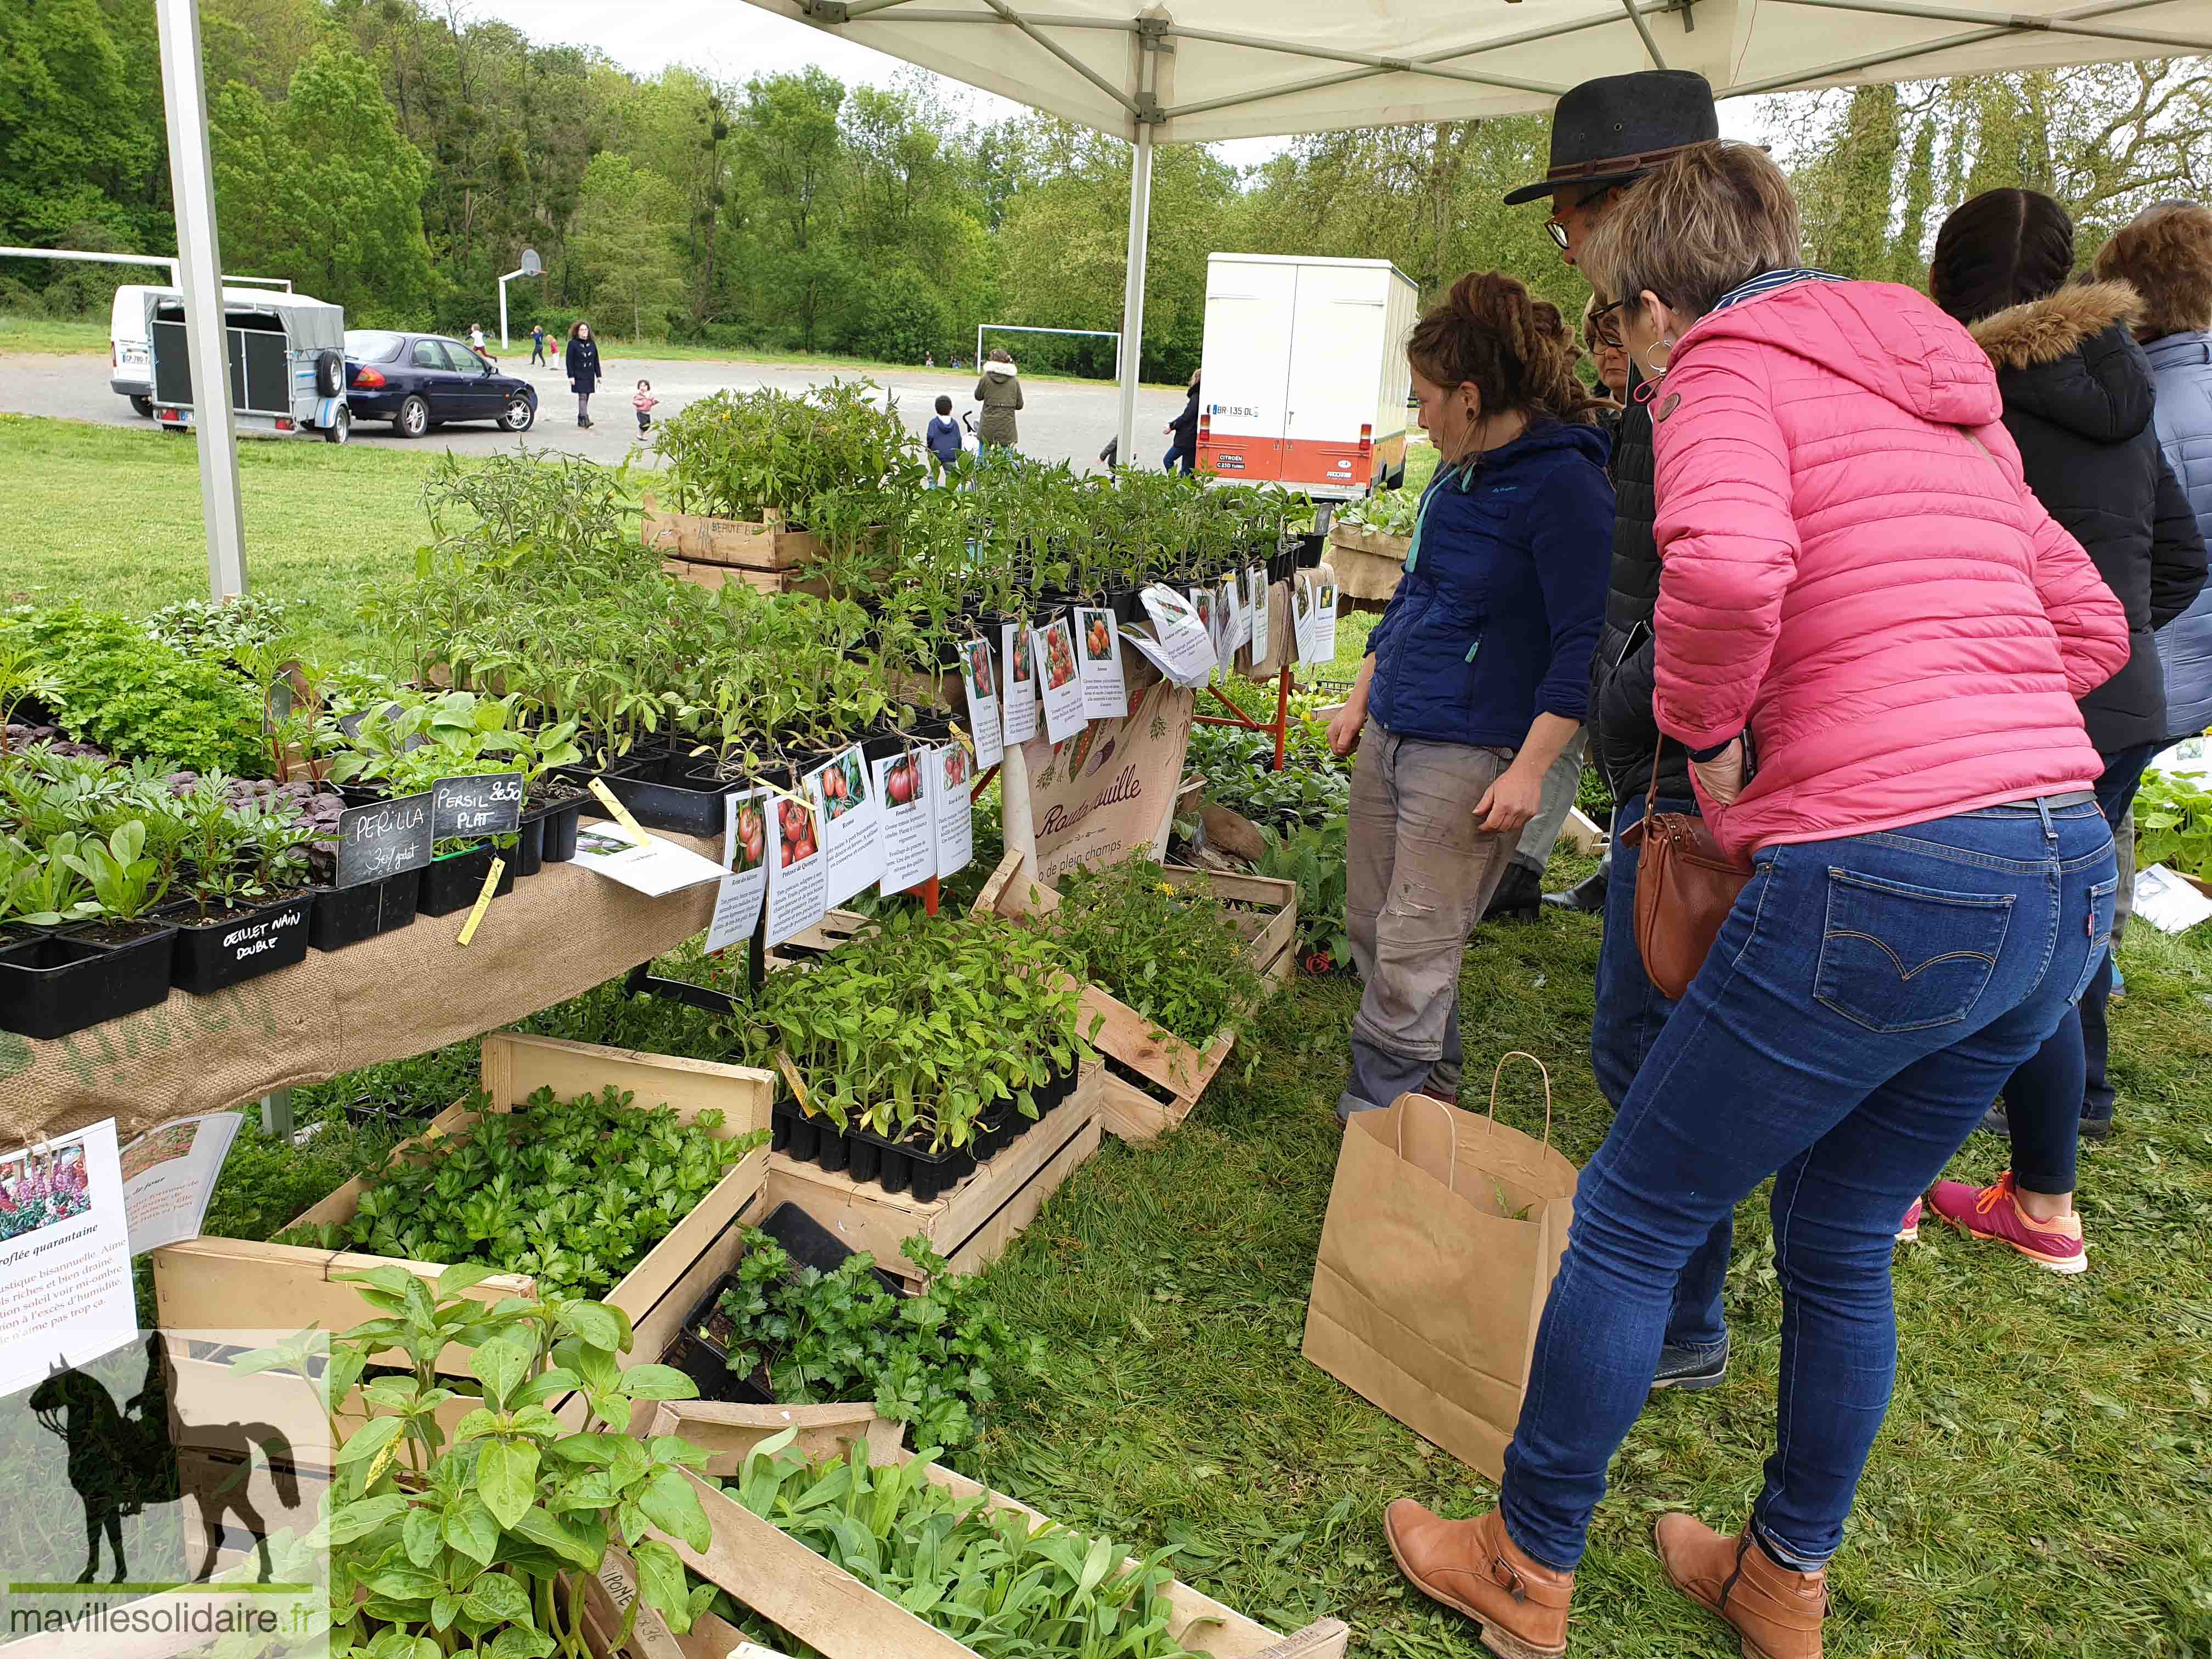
(573, 1193)
(1392, 511)
(933, 1361)
(1003, 1585)
(744, 455)
(223, 632)
(125, 882)
(1170, 951)
(21, 677)
(2173, 824)
(111, 685)
(1315, 858)
(480, 1545)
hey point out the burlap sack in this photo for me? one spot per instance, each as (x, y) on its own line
(556, 936)
(1443, 1233)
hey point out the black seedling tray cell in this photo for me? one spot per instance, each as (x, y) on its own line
(347, 916)
(52, 986)
(213, 956)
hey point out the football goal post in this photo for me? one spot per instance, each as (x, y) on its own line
(1017, 328)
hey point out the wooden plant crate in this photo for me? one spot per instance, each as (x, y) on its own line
(714, 577)
(831, 1611)
(231, 1292)
(970, 1225)
(1156, 1077)
(736, 542)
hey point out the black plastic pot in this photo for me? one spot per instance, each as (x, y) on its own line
(58, 984)
(1309, 550)
(658, 804)
(347, 916)
(1127, 605)
(360, 794)
(213, 955)
(453, 882)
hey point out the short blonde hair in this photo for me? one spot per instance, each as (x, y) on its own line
(1702, 222)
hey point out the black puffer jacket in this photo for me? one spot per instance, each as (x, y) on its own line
(1623, 735)
(2077, 399)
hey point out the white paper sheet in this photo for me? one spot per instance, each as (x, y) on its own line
(797, 868)
(168, 1175)
(979, 678)
(1180, 647)
(1324, 623)
(655, 868)
(1052, 649)
(909, 836)
(1208, 606)
(1017, 700)
(1224, 634)
(851, 827)
(1255, 584)
(1098, 649)
(952, 808)
(745, 854)
(66, 1292)
(2168, 903)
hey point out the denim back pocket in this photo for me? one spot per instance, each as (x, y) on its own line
(1896, 958)
(2103, 898)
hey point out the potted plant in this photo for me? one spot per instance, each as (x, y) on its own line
(101, 966)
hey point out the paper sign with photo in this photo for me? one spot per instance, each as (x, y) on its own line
(952, 807)
(1052, 649)
(1224, 612)
(909, 837)
(2168, 903)
(1324, 621)
(745, 854)
(1203, 601)
(1255, 585)
(1098, 649)
(797, 878)
(1179, 646)
(1018, 702)
(1237, 582)
(852, 826)
(979, 678)
(65, 1293)
(653, 866)
(168, 1175)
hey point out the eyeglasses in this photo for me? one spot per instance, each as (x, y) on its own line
(1601, 325)
(1556, 231)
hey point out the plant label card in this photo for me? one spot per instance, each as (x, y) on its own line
(1325, 622)
(852, 825)
(1207, 602)
(982, 685)
(1233, 586)
(909, 836)
(1225, 636)
(168, 1175)
(798, 873)
(744, 857)
(1017, 710)
(653, 866)
(1180, 648)
(1255, 584)
(1053, 649)
(383, 839)
(2167, 902)
(489, 804)
(1099, 637)
(953, 806)
(65, 1291)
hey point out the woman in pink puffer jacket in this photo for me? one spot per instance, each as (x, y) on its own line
(1870, 638)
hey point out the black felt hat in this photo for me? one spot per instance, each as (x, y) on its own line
(1614, 129)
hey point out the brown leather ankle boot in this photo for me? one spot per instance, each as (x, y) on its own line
(1519, 1603)
(1776, 1612)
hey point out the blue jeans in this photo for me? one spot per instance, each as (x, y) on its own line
(2063, 1081)
(1175, 457)
(1630, 1014)
(1865, 1000)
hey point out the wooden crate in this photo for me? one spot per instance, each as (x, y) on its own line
(697, 539)
(228, 1291)
(1156, 1077)
(714, 577)
(831, 1611)
(968, 1227)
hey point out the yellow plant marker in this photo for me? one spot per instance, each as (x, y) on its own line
(483, 901)
(621, 812)
(798, 1085)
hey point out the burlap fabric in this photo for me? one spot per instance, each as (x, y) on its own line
(556, 936)
(1368, 564)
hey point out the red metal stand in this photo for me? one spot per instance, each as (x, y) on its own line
(1236, 716)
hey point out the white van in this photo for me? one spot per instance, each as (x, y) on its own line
(129, 366)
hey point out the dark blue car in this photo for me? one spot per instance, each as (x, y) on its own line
(417, 382)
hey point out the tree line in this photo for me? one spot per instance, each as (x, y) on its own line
(395, 156)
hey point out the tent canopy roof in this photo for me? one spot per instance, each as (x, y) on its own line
(1200, 69)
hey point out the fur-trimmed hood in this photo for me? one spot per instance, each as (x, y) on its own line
(2070, 358)
(999, 371)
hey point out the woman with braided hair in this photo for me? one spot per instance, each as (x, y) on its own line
(1477, 676)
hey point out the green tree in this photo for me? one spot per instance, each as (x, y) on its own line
(71, 147)
(624, 217)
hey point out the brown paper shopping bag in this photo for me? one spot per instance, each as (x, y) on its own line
(1444, 1230)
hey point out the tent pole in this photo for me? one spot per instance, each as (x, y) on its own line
(199, 274)
(1133, 295)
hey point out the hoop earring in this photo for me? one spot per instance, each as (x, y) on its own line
(1658, 372)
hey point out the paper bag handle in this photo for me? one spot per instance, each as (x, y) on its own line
(1451, 1122)
(1522, 1055)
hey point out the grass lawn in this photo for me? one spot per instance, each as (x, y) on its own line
(2041, 1486)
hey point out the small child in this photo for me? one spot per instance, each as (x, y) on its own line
(944, 441)
(644, 403)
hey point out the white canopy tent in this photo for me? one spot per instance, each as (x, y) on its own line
(1191, 70)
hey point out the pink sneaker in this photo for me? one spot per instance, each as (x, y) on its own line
(1994, 1213)
(1908, 1231)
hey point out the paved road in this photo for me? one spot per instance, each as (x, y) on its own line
(1064, 421)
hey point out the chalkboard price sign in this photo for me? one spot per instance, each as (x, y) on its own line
(383, 839)
(491, 804)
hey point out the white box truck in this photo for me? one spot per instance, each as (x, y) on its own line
(1303, 379)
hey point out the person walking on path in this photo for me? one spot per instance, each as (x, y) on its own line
(582, 362)
(1870, 638)
(1000, 390)
(538, 345)
(2078, 397)
(1476, 676)
(1182, 451)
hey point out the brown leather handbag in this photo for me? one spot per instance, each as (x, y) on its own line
(1685, 888)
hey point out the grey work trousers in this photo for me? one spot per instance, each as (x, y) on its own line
(1563, 782)
(1418, 877)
